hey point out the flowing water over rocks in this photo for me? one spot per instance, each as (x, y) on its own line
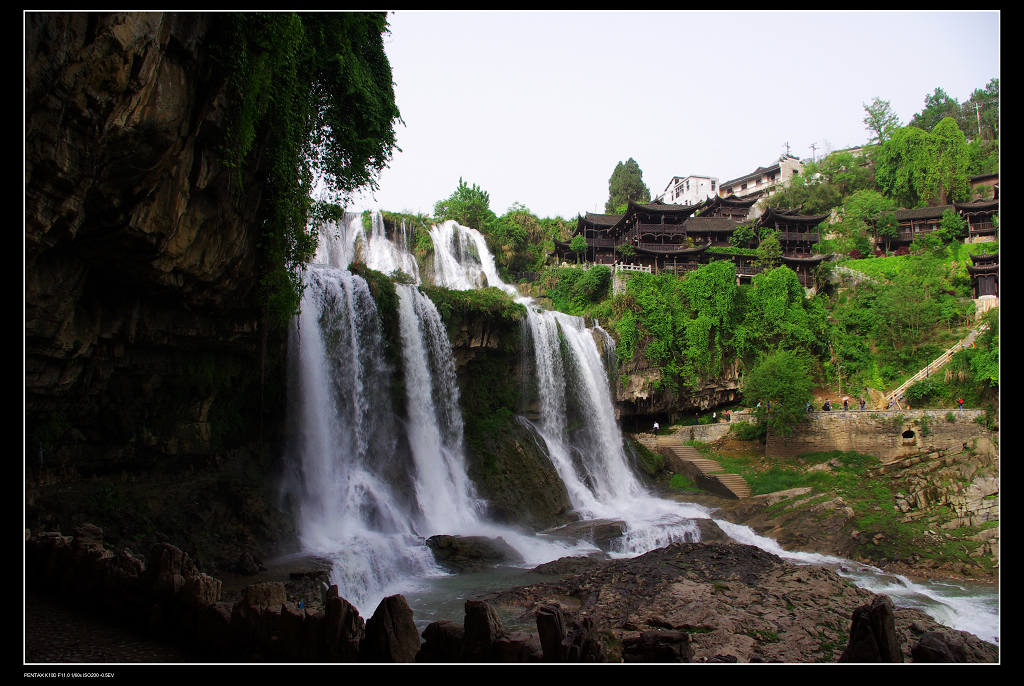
(375, 483)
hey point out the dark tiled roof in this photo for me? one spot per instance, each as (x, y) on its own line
(711, 224)
(934, 212)
(757, 172)
(977, 206)
(602, 219)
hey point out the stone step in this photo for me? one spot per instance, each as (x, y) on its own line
(734, 483)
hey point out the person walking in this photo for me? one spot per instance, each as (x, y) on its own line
(846, 404)
(656, 427)
(960, 402)
(862, 404)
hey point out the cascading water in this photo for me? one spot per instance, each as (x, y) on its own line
(577, 423)
(352, 503)
(371, 516)
(372, 486)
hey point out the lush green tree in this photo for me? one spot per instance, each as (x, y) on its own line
(937, 106)
(712, 294)
(981, 112)
(887, 228)
(578, 245)
(742, 237)
(769, 250)
(626, 183)
(468, 205)
(859, 218)
(880, 120)
(777, 314)
(951, 161)
(917, 167)
(783, 379)
(985, 356)
(312, 94)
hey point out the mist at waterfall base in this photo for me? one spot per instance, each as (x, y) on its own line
(372, 483)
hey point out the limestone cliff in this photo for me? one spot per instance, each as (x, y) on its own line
(144, 350)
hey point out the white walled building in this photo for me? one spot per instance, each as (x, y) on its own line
(689, 190)
(763, 180)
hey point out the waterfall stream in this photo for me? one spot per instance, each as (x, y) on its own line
(372, 486)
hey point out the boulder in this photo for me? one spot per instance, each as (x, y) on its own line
(658, 646)
(442, 642)
(551, 627)
(471, 553)
(600, 532)
(873, 636)
(482, 629)
(343, 629)
(391, 635)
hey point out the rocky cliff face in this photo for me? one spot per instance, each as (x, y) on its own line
(637, 393)
(143, 343)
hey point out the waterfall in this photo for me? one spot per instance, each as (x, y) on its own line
(370, 486)
(577, 415)
(435, 420)
(349, 486)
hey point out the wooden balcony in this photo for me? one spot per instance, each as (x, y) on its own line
(669, 229)
(797, 236)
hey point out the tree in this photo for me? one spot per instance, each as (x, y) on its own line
(981, 112)
(310, 97)
(769, 250)
(626, 183)
(783, 379)
(887, 228)
(880, 120)
(861, 214)
(937, 107)
(950, 161)
(467, 205)
(578, 245)
(742, 237)
(916, 167)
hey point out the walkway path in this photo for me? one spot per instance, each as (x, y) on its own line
(733, 483)
(934, 365)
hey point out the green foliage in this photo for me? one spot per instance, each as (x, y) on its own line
(937, 106)
(917, 167)
(748, 431)
(626, 183)
(468, 206)
(575, 290)
(880, 120)
(315, 92)
(783, 379)
(742, 237)
(769, 250)
(578, 245)
(776, 314)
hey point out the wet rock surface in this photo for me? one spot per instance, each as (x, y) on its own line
(734, 602)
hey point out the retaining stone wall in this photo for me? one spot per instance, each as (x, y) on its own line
(881, 433)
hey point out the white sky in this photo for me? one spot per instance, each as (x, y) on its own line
(538, 107)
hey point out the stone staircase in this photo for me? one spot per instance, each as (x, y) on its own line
(703, 469)
(936, 364)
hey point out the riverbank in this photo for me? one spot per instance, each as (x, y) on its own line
(928, 514)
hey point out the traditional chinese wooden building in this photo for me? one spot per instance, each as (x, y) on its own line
(731, 207)
(984, 271)
(916, 222)
(980, 216)
(797, 232)
(663, 237)
(652, 230)
(600, 232)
